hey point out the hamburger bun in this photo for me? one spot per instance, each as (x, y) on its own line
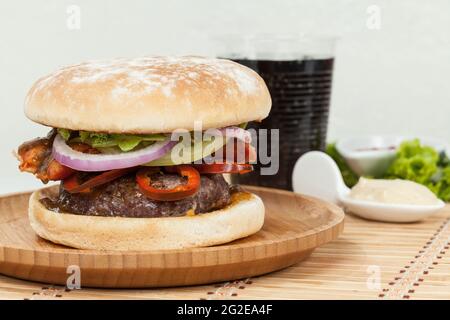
(148, 95)
(243, 217)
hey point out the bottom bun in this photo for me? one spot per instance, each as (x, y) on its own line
(243, 217)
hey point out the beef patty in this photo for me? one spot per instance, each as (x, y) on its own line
(122, 197)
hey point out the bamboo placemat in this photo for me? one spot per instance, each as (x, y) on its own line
(411, 261)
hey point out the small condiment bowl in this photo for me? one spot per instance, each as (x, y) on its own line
(372, 155)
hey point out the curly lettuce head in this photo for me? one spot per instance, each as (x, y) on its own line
(414, 162)
(423, 165)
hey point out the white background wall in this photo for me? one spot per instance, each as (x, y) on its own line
(392, 80)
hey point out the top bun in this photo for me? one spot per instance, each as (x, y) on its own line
(148, 95)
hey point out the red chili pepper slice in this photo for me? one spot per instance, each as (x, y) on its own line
(179, 192)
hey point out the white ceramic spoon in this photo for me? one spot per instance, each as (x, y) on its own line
(316, 174)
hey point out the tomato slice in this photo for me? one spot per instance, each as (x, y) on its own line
(177, 193)
(73, 184)
(224, 168)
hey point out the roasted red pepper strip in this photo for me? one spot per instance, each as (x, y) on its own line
(182, 191)
(224, 168)
(73, 185)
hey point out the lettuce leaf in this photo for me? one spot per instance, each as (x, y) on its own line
(129, 143)
(124, 142)
(110, 142)
(350, 178)
(423, 165)
(414, 162)
(64, 133)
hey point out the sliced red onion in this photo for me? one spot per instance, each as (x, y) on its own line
(102, 162)
(236, 132)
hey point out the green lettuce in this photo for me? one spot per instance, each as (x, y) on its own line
(423, 165)
(64, 133)
(112, 142)
(350, 178)
(414, 162)
(125, 142)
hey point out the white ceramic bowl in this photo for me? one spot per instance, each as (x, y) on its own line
(372, 155)
(391, 212)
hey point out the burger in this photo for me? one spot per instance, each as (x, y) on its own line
(139, 148)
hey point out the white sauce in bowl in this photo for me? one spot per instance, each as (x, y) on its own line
(393, 192)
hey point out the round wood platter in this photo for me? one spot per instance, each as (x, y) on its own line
(294, 226)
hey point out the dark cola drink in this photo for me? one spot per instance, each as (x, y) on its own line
(300, 91)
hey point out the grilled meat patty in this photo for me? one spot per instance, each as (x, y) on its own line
(122, 197)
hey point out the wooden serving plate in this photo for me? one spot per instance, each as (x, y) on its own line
(295, 225)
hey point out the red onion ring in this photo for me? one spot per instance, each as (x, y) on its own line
(102, 162)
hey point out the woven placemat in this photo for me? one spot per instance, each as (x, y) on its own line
(371, 260)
